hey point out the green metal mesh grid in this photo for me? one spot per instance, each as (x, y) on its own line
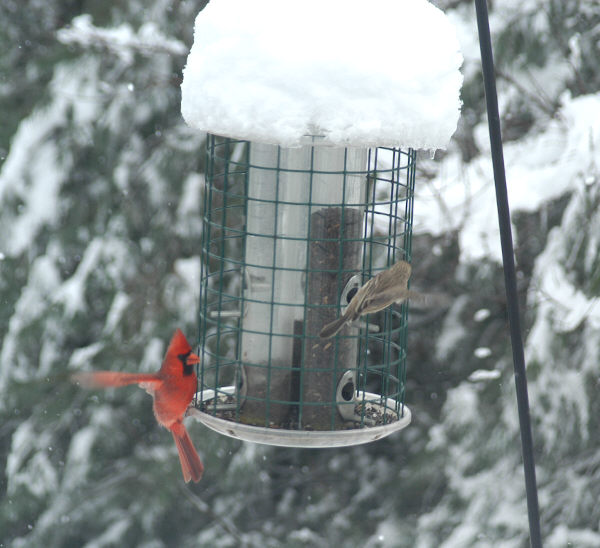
(278, 252)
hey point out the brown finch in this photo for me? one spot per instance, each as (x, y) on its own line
(386, 288)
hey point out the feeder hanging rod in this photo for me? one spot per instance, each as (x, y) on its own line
(510, 278)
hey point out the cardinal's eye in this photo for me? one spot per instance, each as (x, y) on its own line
(188, 368)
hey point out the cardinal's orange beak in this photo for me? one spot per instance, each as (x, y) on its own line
(192, 359)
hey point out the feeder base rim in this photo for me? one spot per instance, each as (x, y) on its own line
(302, 438)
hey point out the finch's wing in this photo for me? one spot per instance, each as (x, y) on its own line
(384, 289)
(375, 303)
(401, 271)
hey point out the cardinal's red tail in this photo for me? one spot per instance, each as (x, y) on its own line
(99, 379)
(191, 465)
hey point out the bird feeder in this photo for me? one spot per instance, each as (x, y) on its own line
(308, 194)
(289, 236)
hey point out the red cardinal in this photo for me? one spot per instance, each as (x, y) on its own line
(172, 390)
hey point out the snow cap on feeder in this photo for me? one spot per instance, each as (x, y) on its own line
(382, 73)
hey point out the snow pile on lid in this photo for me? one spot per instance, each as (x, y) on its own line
(379, 73)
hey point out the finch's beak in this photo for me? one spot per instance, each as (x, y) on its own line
(192, 359)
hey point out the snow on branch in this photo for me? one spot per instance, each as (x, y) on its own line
(121, 40)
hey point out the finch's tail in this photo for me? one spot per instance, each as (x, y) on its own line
(191, 465)
(332, 328)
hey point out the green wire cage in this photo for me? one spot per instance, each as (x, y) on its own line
(289, 235)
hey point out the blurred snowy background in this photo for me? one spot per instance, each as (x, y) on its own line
(100, 188)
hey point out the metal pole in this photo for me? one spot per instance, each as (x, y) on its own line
(510, 278)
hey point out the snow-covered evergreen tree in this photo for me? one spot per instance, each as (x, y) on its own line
(100, 193)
